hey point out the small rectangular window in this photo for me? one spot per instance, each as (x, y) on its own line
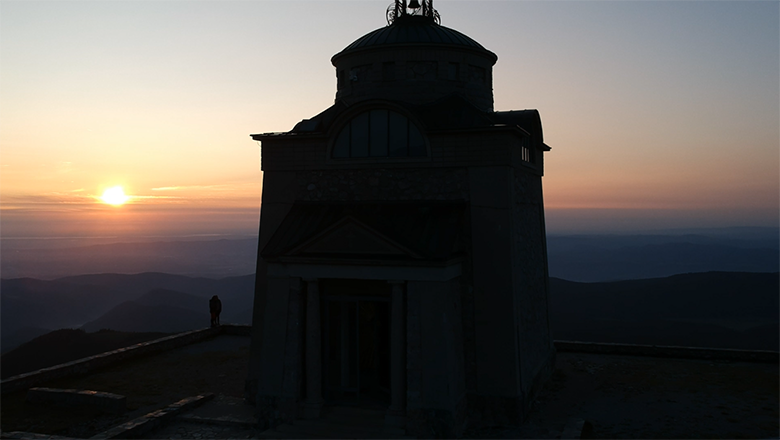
(525, 154)
(453, 72)
(477, 74)
(388, 71)
(421, 70)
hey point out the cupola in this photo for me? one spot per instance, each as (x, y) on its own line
(415, 59)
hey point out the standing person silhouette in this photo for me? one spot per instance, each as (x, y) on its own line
(215, 307)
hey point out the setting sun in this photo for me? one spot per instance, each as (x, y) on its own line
(114, 196)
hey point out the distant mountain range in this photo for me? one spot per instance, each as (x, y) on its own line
(160, 310)
(592, 258)
(138, 297)
(143, 302)
(211, 259)
(714, 309)
(586, 258)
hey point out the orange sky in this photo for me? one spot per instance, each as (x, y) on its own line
(660, 114)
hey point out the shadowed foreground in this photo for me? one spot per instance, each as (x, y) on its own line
(620, 397)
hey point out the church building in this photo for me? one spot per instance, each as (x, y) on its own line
(402, 260)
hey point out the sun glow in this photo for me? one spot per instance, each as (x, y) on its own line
(114, 196)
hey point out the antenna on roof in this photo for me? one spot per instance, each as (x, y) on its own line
(417, 8)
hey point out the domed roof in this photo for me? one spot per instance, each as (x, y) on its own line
(413, 30)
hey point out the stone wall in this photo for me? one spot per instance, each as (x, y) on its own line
(495, 337)
(530, 284)
(382, 184)
(292, 382)
(416, 75)
(270, 393)
(488, 147)
(435, 371)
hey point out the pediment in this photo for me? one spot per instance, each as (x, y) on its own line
(350, 236)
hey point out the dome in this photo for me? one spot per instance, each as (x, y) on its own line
(414, 30)
(417, 61)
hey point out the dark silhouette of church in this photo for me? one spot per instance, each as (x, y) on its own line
(402, 262)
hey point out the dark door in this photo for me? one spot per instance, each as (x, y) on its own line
(357, 351)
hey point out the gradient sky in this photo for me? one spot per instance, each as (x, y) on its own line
(660, 114)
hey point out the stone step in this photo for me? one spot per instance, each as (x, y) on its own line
(331, 430)
(273, 434)
(344, 420)
(353, 411)
(339, 422)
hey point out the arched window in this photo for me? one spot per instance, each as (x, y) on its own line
(379, 133)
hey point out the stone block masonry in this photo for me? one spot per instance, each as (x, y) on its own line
(109, 402)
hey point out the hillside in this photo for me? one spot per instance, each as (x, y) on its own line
(594, 258)
(159, 310)
(132, 316)
(29, 307)
(714, 309)
(64, 346)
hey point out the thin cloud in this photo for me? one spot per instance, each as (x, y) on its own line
(166, 188)
(218, 187)
(155, 197)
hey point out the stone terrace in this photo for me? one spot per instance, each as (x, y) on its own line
(619, 396)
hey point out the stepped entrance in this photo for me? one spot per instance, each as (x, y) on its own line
(356, 343)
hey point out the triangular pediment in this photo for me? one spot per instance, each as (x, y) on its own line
(350, 236)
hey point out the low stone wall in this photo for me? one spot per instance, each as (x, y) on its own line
(109, 402)
(91, 363)
(763, 356)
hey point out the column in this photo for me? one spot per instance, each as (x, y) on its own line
(313, 351)
(396, 414)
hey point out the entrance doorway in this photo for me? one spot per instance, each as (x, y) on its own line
(357, 346)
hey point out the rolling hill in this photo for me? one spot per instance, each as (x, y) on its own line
(64, 346)
(595, 258)
(29, 306)
(713, 309)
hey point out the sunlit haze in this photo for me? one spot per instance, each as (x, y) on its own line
(659, 114)
(114, 196)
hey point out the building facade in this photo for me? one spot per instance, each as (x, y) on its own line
(402, 260)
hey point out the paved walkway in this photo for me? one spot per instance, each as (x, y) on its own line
(619, 396)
